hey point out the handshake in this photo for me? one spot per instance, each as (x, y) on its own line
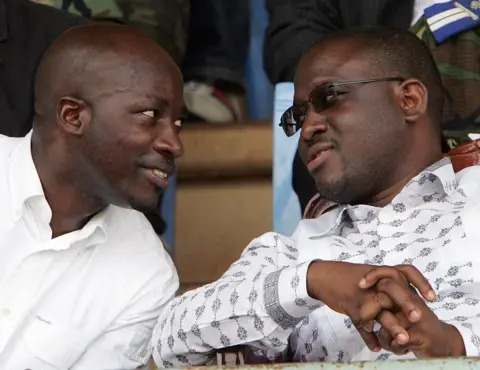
(387, 295)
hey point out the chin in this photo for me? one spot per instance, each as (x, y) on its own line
(145, 206)
(332, 190)
(145, 203)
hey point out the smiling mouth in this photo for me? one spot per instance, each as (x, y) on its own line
(160, 174)
(158, 177)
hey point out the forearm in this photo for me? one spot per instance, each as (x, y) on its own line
(259, 312)
(257, 302)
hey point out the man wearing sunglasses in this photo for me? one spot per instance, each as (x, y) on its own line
(449, 28)
(368, 104)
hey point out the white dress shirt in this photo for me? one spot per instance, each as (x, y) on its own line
(85, 300)
(262, 299)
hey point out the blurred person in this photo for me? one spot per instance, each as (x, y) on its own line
(216, 55)
(296, 25)
(209, 39)
(83, 276)
(26, 31)
(164, 21)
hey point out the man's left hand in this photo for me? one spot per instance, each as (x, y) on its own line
(428, 336)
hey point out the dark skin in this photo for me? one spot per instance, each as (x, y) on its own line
(379, 136)
(428, 337)
(364, 167)
(108, 108)
(336, 285)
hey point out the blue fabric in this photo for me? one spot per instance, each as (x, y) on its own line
(286, 211)
(217, 41)
(449, 13)
(258, 87)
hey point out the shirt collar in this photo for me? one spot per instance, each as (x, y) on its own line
(23, 177)
(440, 172)
(439, 175)
(25, 185)
(434, 182)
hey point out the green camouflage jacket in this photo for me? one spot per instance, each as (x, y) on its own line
(458, 60)
(166, 21)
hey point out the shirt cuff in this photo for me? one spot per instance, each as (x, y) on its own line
(469, 338)
(286, 298)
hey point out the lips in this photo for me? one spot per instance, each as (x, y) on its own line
(159, 178)
(159, 174)
(317, 154)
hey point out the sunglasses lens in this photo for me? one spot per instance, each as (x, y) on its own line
(319, 95)
(288, 122)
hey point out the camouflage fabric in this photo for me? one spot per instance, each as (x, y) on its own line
(165, 21)
(87, 8)
(458, 60)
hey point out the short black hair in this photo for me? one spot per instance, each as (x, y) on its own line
(397, 52)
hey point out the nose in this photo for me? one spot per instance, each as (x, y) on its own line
(168, 141)
(314, 123)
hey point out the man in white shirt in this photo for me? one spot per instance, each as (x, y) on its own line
(83, 276)
(368, 103)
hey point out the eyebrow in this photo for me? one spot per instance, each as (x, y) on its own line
(158, 101)
(327, 83)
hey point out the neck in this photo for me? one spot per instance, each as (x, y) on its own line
(403, 177)
(71, 207)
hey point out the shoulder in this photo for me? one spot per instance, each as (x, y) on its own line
(468, 180)
(7, 144)
(131, 237)
(132, 262)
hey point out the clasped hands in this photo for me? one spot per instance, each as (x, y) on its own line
(387, 295)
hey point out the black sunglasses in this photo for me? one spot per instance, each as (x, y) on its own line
(322, 97)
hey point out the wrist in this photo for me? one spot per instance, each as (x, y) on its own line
(316, 274)
(456, 343)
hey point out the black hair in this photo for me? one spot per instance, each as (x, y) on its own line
(396, 52)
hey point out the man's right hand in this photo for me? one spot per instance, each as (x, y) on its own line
(336, 284)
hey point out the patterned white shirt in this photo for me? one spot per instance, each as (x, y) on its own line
(261, 301)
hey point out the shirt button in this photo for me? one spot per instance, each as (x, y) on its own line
(5, 312)
(144, 352)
